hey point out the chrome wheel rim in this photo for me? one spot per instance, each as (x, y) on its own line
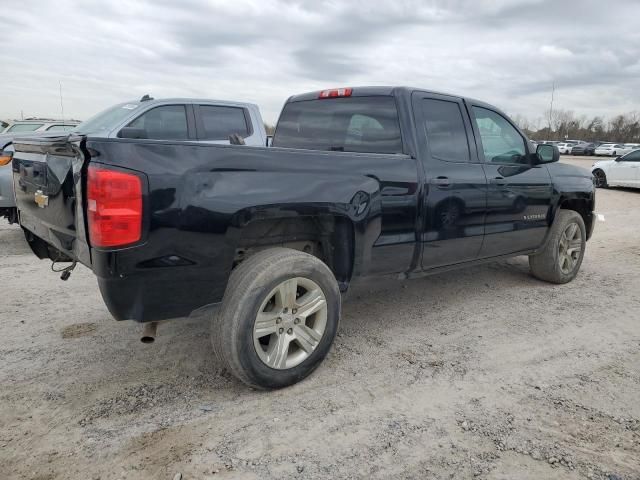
(569, 248)
(290, 323)
(599, 176)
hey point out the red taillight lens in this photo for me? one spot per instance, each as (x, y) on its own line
(114, 207)
(335, 92)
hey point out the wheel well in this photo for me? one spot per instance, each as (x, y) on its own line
(330, 238)
(583, 208)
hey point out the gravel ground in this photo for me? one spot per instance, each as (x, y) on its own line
(478, 373)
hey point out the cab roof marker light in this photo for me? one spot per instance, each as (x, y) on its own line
(336, 92)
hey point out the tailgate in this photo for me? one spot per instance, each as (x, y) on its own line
(48, 184)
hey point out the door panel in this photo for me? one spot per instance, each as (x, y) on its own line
(519, 194)
(456, 186)
(518, 205)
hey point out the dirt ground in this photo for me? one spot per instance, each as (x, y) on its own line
(478, 373)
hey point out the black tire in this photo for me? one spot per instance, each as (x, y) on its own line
(546, 264)
(248, 287)
(600, 178)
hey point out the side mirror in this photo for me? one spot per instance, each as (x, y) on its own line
(547, 154)
(130, 132)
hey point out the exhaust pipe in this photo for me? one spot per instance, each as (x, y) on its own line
(149, 332)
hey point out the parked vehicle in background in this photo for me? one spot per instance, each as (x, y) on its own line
(584, 149)
(610, 149)
(632, 146)
(40, 125)
(624, 171)
(30, 127)
(201, 121)
(565, 148)
(359, 181)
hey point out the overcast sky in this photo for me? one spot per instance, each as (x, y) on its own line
(504, 52)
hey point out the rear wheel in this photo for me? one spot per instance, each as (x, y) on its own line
(560, 259)
(600, 178)
(278, 318)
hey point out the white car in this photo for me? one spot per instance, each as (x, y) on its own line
(565, 148)
(622, 172)
(612, 149)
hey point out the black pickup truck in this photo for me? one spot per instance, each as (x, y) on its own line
(358, 181)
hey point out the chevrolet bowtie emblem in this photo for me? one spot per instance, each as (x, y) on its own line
(41, 199)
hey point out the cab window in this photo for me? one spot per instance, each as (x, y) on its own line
(219, 122)
(501, 142)
(350, 124)
(167, 122)
(444, 127)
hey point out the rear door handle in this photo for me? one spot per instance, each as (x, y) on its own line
(498, 181)
(442, 182)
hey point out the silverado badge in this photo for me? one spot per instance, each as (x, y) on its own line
(41, 199)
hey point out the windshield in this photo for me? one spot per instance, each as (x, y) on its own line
(24, 127)
(107, 119)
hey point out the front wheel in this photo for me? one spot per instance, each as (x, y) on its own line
(278, 318)
(560, 259)
(600, 178)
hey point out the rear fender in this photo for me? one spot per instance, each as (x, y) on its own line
(253, 196)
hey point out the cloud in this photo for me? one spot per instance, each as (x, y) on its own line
(555, 52)
(506, 52)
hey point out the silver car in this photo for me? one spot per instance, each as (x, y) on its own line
(187, 119)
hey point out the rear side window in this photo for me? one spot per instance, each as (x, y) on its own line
(219, 122)
(446, 135)
(168, 122)
(351, 124)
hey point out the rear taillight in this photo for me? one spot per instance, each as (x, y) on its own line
(114, 207)
(335, 92)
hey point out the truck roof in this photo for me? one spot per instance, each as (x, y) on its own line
(365, 91)
(164, 101)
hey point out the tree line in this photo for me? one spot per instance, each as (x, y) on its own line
(624, 128)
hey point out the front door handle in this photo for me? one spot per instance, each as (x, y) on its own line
(501, 182)
(442, 182)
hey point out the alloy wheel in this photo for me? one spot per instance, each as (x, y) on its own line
(569, 248)
(290, 323)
